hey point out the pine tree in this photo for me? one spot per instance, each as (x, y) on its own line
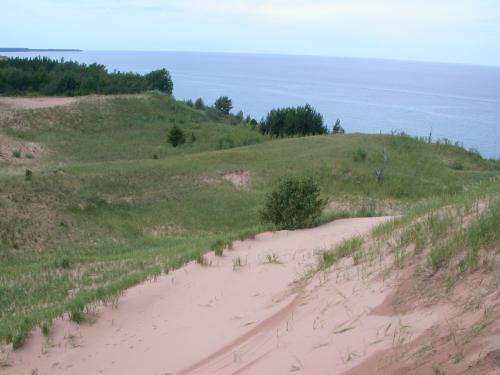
(337, 128)
(176, 136)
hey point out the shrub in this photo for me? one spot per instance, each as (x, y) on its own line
(46, 328)
(77, 316)
(359, 155)
(293, 121)
(176, 136)
(20, 338)
(294, 204)
(457, 165)
(16, 154)
(223, 105)
(28, 175)
(63, 262)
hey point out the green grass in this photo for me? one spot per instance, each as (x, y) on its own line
(100, 214)
(351, 247)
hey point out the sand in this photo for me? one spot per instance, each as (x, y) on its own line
(34, 102)
(258, 318)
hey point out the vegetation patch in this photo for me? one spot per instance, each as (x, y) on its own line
(44, 76)
(294, 204)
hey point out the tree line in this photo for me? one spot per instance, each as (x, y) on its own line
(45, 76)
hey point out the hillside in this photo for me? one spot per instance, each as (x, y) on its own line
(111, 204)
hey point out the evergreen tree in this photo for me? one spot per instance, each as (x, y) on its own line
(223, 105)
(176, 136)
(337, 128)
(199, 104)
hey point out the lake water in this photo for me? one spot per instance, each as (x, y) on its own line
(459, 102)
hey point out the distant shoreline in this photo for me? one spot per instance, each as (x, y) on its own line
(38, 50)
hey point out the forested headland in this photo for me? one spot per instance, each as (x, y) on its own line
(44, 76)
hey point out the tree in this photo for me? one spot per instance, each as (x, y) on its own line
(192, 138)
(176, 136)
(240, 116)
(337, 128)
(44, 76)
(224, 105)
(160, 80)
(293, 121)
(294, 204)
(199, 104)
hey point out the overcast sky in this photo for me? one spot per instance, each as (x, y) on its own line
(462, 31)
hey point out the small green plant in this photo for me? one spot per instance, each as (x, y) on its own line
(176, 136)
(219, 252)
(63, 263)
(28, 175)
(30, 156)
(294, 204)
(357, 257)
(20, 338)
(345, 249)
(272, 258)
(359, 155)
(457, 165)
(45, 328)
(155, 156)
(201, 260)
(76, 315)
(237, 263)
(192, 138)
(16, 154)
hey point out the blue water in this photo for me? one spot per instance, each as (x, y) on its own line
(458, 102)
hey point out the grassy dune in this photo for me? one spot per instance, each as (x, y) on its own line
(101, 214)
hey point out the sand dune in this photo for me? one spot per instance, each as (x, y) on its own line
(259, 317)
(35, 102)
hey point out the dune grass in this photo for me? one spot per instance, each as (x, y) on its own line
(100, 214)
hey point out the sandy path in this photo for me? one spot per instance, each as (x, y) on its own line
(7, 103)
(253, 319)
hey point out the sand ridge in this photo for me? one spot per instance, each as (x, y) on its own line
(249, 312)
(35, 102)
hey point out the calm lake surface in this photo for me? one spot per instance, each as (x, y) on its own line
(458, 102)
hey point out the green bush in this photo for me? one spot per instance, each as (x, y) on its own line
(20, 338)
(16, 154)
(457, 165)
(28, 175)
(63, 263)
(359, 155)
(294, 204)
(176, 136)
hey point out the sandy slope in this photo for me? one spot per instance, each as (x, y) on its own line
(259, 318)
(35, 102)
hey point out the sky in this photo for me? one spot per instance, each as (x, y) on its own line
(459, 31)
